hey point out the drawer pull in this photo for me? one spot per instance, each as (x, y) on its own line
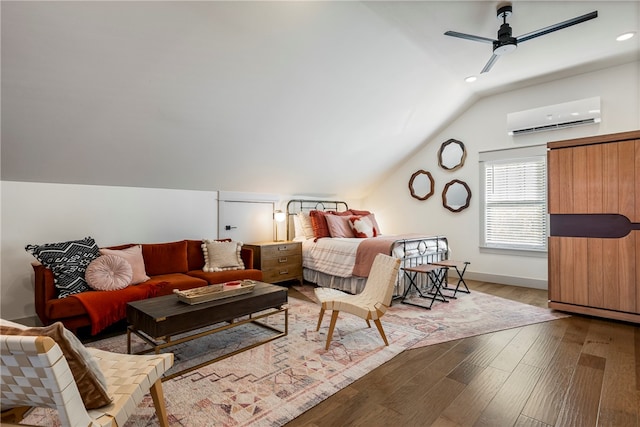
(283, 259)
(284, 272)
(283, 248)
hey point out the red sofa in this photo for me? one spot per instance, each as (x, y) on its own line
(173, 265)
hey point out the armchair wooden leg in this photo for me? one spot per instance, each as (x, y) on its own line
(158, 401)
(320, 318)
(334, 318)
(379, 326)
(368, 323)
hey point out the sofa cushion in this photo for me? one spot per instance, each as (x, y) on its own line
(165, 258)
(68, 261)
(221, 256)
(90, 380)
(109, 273)
(133, 255)
(63, 308)
(164, 284)
(226, 276)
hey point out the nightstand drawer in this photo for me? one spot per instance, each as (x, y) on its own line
(271, 275)
(282, 261)
(282, 250)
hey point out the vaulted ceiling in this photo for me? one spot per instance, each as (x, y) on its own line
(287, 97)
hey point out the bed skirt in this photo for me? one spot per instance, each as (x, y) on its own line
(353, 284)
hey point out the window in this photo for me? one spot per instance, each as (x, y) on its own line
(514, 199)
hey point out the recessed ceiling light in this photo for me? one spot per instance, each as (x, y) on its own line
(470, 79)
(625, 36)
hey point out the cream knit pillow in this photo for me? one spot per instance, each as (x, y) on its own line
(221, 256)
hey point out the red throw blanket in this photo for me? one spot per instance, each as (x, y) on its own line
(107, 307)
(369, 248)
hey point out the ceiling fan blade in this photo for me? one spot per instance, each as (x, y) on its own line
(490, 63)
(468, 37)
(556, 27)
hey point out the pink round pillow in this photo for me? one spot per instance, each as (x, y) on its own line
(109, 273)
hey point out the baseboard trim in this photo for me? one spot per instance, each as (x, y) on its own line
(507, 280)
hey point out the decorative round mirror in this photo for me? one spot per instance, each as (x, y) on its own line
(456, 195)
(451, 155)
(421, 185)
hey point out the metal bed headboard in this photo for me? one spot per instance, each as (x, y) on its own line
(302, 205)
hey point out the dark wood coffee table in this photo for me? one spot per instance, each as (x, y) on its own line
(157, 320)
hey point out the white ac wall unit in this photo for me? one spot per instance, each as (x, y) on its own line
(558, 116)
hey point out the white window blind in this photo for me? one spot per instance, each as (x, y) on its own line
(514, 202)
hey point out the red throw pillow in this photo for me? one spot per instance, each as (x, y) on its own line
(319, 224)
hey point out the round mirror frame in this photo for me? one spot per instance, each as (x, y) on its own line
(462, 157)
(413, 178)
(444, 195)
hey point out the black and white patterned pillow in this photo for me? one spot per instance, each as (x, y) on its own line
(68, 261)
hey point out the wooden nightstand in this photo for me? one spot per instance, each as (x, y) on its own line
(279, 261)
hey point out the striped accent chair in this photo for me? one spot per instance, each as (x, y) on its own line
(370, 304)
(34, 373)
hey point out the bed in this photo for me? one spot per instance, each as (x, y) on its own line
(340, 261)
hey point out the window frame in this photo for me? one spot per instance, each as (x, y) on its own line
(538, 152)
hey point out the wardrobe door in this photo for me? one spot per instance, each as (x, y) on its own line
(588, 271)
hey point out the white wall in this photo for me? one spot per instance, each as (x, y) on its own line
(43, 213)
(483, 127)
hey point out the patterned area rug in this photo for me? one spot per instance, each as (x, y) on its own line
(275, 382)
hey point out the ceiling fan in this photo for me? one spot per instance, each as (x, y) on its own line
(506, 43)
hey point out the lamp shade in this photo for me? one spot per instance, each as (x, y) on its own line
(279, 216)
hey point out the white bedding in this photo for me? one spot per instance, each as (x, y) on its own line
(337, 256)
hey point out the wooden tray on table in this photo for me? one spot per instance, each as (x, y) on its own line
(214, 292)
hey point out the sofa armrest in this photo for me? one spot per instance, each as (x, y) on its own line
(44, 289)
(247, 257)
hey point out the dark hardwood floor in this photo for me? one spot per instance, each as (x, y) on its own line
(576, 371)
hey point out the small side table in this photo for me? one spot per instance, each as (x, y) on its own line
(279, 261)
(460, 267)
(435, 273)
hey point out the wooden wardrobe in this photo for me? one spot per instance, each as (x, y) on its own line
(594, 208)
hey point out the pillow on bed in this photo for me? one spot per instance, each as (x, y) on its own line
(372, 217)
(339, 226)
(319, 222)
(362, 226)
(305, 223)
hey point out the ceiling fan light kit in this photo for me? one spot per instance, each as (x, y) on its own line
(506, 43)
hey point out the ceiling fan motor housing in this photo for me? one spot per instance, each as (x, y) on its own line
(505, 43)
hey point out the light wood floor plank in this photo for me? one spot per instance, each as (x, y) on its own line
(529, 422)
(434, 402)
(546, 400)
(467, 407)
(542, 351)
(484, 355)
(506, 406)
(512, 354)
(618, 399)
(581, 404)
